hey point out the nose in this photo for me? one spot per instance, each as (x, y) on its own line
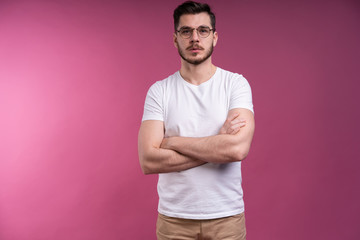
(194, 36)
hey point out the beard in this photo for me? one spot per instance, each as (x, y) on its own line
(208, 53)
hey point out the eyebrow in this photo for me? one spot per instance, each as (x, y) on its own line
(191, 27)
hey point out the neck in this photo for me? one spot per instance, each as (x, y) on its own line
(197, 74)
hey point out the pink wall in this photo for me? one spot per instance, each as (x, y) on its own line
(73, 79)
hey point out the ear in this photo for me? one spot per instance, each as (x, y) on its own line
(175, 40)
(215, 39)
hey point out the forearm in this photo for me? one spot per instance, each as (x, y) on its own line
(158, 160)
(220, 148)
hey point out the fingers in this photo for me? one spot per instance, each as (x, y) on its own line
(233, 129)
(238, 120)
(232, 117)
(233, 124)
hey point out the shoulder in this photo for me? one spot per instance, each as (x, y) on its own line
(232, 78)
(164, 83)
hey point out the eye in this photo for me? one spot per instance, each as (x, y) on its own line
(185, 31)
(204, 30)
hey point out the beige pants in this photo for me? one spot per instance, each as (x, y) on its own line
(228, 228)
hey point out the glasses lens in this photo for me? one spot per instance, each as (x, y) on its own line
(204, 31)
(185, 32)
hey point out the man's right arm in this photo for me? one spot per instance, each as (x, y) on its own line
(154, 159)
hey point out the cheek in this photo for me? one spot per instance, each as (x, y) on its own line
(180, 44)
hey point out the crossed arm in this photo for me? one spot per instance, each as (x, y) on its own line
(160, 155)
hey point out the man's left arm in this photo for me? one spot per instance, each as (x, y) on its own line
(221, 148)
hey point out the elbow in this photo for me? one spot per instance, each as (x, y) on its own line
(146, 171)
(145, 165)
(242, 155)
(239, 153)
(145, 168)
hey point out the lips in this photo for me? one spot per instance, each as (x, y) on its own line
(195, 48)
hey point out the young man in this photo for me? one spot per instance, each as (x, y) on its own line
(196, 129)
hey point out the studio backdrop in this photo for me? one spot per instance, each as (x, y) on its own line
(73, 80)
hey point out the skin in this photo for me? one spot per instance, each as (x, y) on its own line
(195, 73)
(221, 148)
(161, 155)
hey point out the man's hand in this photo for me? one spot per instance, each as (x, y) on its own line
(165, 143)
(233, 124)
(231, 146)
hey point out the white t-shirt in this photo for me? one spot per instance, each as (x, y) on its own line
(211, 190)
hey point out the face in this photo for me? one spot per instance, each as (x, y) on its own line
(195, 50)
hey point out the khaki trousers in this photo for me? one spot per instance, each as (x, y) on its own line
(228, 228)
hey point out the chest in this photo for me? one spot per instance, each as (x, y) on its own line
(195, 112)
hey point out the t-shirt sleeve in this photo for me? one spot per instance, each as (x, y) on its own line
(153, 107)
(241, 96)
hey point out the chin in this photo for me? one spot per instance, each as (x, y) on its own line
(195, 58)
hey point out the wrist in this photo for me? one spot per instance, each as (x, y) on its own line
(166, 143)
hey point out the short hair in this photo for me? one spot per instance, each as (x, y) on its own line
(190, 7)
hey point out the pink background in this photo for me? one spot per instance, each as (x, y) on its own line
(73, 79)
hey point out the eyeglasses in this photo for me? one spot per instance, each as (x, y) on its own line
(203, 32)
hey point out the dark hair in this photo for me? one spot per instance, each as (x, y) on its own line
(190, 7)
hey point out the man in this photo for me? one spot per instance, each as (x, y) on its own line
(197, 127)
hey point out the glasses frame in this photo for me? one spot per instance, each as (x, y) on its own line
(197, 31)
